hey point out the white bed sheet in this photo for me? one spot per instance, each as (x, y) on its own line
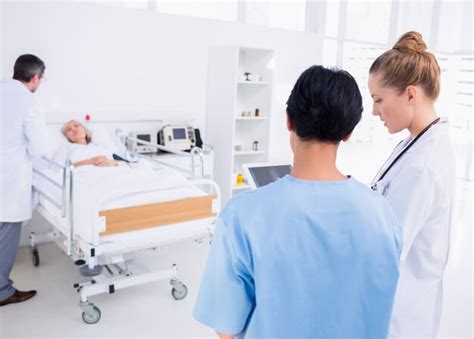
(103, 188)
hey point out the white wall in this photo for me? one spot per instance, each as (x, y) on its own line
(122, 64)
(116, 62)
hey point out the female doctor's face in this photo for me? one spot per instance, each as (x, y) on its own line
(75, 132)
(392, 108)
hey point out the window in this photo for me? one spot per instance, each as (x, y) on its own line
(415, 16)
(457, 89)
(332, 18)
(140, 4)
(288, 15)
(357, 59)
(455, 35)
(330, 53)
(368, 21)
(211, 9)
(456, 102)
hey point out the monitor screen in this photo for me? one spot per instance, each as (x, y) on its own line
(267, 174)
(144, 137)
(179, 133)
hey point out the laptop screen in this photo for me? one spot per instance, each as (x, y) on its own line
(267, 174)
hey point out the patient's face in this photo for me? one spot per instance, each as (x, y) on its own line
(75, 132)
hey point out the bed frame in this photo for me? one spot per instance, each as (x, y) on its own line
(111, 255)
(154, 215)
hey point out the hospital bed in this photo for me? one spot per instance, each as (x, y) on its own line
(100, 228)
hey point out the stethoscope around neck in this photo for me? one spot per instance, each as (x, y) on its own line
(378, 177)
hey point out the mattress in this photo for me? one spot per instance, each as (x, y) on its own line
(103, 188)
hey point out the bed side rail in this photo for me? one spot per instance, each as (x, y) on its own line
(66, 189)
(195, 152)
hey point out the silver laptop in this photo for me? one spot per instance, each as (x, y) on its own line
(261, 174)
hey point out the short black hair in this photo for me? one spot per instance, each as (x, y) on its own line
(324, 105)
(27, 66)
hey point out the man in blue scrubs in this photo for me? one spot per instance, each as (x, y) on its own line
(315, 254)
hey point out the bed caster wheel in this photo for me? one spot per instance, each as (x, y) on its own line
(179, 292)
(79, 262)
(90, 272)
(35, 259)
(91, 314)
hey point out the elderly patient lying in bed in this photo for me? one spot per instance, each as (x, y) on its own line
(83, 151)
(100, 185)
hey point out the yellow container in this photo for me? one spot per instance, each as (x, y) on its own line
(240, 179)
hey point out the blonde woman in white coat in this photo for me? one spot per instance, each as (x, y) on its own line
(418, 180)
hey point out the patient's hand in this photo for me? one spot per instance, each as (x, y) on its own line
(98, 160)
(107, 163)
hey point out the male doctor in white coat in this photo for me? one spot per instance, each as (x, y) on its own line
(23, 135)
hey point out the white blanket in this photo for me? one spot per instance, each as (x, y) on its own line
(103, 188)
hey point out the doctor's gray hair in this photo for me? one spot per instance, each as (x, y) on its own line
(88, 132)
(27, 66)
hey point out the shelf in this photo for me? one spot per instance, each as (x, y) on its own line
(251, 118)
(247, 152)
(240, 187)
(255, 49)
(232, 95)
(262, 83)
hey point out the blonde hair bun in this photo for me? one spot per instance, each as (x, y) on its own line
(408, 63)
(410, 42)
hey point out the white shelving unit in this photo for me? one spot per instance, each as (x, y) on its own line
(251, 118)
(253, 83)
(236, 187)
(232, 124)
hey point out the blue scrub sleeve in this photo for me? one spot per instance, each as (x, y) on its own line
(227, 296)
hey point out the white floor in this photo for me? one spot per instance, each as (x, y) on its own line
(150, 311)
(142, 311)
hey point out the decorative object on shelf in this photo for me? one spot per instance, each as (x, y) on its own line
(255, 146)
(240, 179)
(240, 80)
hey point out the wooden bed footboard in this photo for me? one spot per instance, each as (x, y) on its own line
(160, 214)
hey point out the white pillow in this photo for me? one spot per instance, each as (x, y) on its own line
(107, 139)
(57, 141)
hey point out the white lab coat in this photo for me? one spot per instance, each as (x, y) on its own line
(420, 189)
(23, 134)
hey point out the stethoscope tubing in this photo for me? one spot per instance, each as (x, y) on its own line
(377, 178)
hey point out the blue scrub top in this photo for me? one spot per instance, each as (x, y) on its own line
(300, 258)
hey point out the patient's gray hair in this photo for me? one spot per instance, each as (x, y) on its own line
(88, 132)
